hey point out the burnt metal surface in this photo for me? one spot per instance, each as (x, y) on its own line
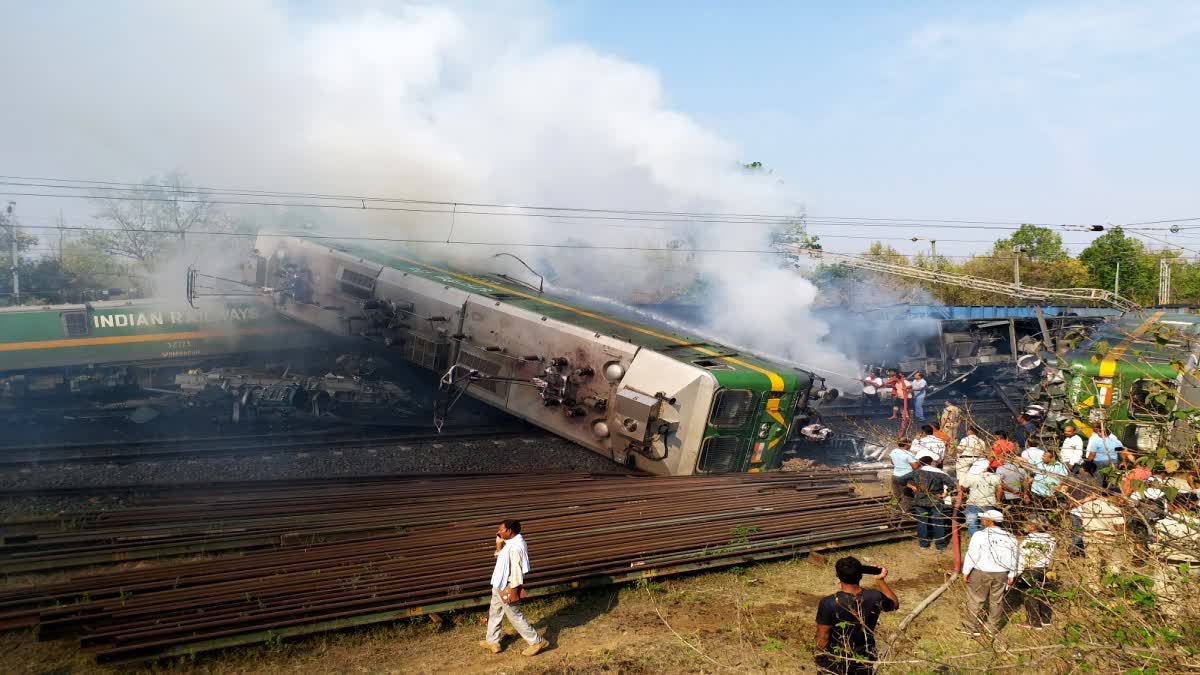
(314, 556)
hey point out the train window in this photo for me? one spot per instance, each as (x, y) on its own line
(75, 324)
(1152, 398)
(732, 408)
(357, 284)
(720, 454)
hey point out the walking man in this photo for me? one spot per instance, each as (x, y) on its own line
(846, 620)
(512, 564)
(989, 569)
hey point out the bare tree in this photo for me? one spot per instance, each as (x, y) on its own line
(140, 223)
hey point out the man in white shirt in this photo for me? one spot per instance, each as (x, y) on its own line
(872, 383)
(970, 448)
(1032, 453)
(983, 486)
(926, 441)
(1071, 454)
(904, 462)
(512, 564)
(918, 385)
(989, 569)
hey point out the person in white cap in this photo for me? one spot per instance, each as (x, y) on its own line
(989, 569)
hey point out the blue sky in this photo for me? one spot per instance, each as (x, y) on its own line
(1064, 112)
(1061, 112)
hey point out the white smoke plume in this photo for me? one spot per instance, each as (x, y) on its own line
(449, 103)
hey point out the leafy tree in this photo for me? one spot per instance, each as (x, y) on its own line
(1139, 269)
(1038, 243)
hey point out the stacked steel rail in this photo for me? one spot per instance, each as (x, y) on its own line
(324, 555)
(125, 451)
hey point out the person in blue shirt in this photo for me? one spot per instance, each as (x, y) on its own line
(1104, 448)
(903, 463)
(1047, 476)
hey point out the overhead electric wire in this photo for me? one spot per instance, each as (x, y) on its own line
(114, 185)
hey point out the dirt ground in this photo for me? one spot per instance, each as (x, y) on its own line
(753, 619)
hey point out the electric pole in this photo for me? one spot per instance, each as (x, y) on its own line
(1017, 251)
(16, 259)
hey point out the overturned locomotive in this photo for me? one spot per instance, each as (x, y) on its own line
(645, 396)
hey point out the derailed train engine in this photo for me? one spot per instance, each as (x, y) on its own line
(644, 396)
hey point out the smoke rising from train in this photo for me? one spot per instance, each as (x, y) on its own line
(445, 103)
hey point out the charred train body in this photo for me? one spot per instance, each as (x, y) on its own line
(663, 402)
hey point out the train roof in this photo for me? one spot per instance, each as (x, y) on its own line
(141, 303)
(1145, 337)
(729, 366)
(99, 304)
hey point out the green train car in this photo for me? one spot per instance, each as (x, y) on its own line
(96, 337)
(1138, 376)
(640, 394)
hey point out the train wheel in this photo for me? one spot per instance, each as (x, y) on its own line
(237, 412)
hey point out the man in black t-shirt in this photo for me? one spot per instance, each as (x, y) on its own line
(846, 620)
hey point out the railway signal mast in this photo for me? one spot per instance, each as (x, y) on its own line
(16, 259)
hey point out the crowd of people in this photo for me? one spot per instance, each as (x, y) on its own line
(1013, 486)
(1030, 497)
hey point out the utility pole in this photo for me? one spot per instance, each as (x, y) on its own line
(1117, 281)
(932, 250)
(16, 259)
(1017, 251)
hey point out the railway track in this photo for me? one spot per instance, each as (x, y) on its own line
(316, 556)
(124, 452)
(932, 408)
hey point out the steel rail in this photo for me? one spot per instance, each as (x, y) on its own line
(402, 547)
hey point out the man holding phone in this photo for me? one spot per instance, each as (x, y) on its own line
(508, 579)
(846, 620)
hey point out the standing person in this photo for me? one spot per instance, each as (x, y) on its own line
(871, 384)
(1048, 473)
(903, 463)
(918, 385)
(1037, 552)
(512, 564)
(983, 490)
(929, 486)
(1071, 452)
(970, 448)
(989, 569)
(1104, 448)
(1032, 453)
(900, 395)
(952, 416)
(1080, 490)
(1025, 430)
(1014, 491)
(927, 442)
(846, 620)
(1002, 448)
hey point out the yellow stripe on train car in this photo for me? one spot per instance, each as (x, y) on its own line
(131, 339)
(774, 378)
